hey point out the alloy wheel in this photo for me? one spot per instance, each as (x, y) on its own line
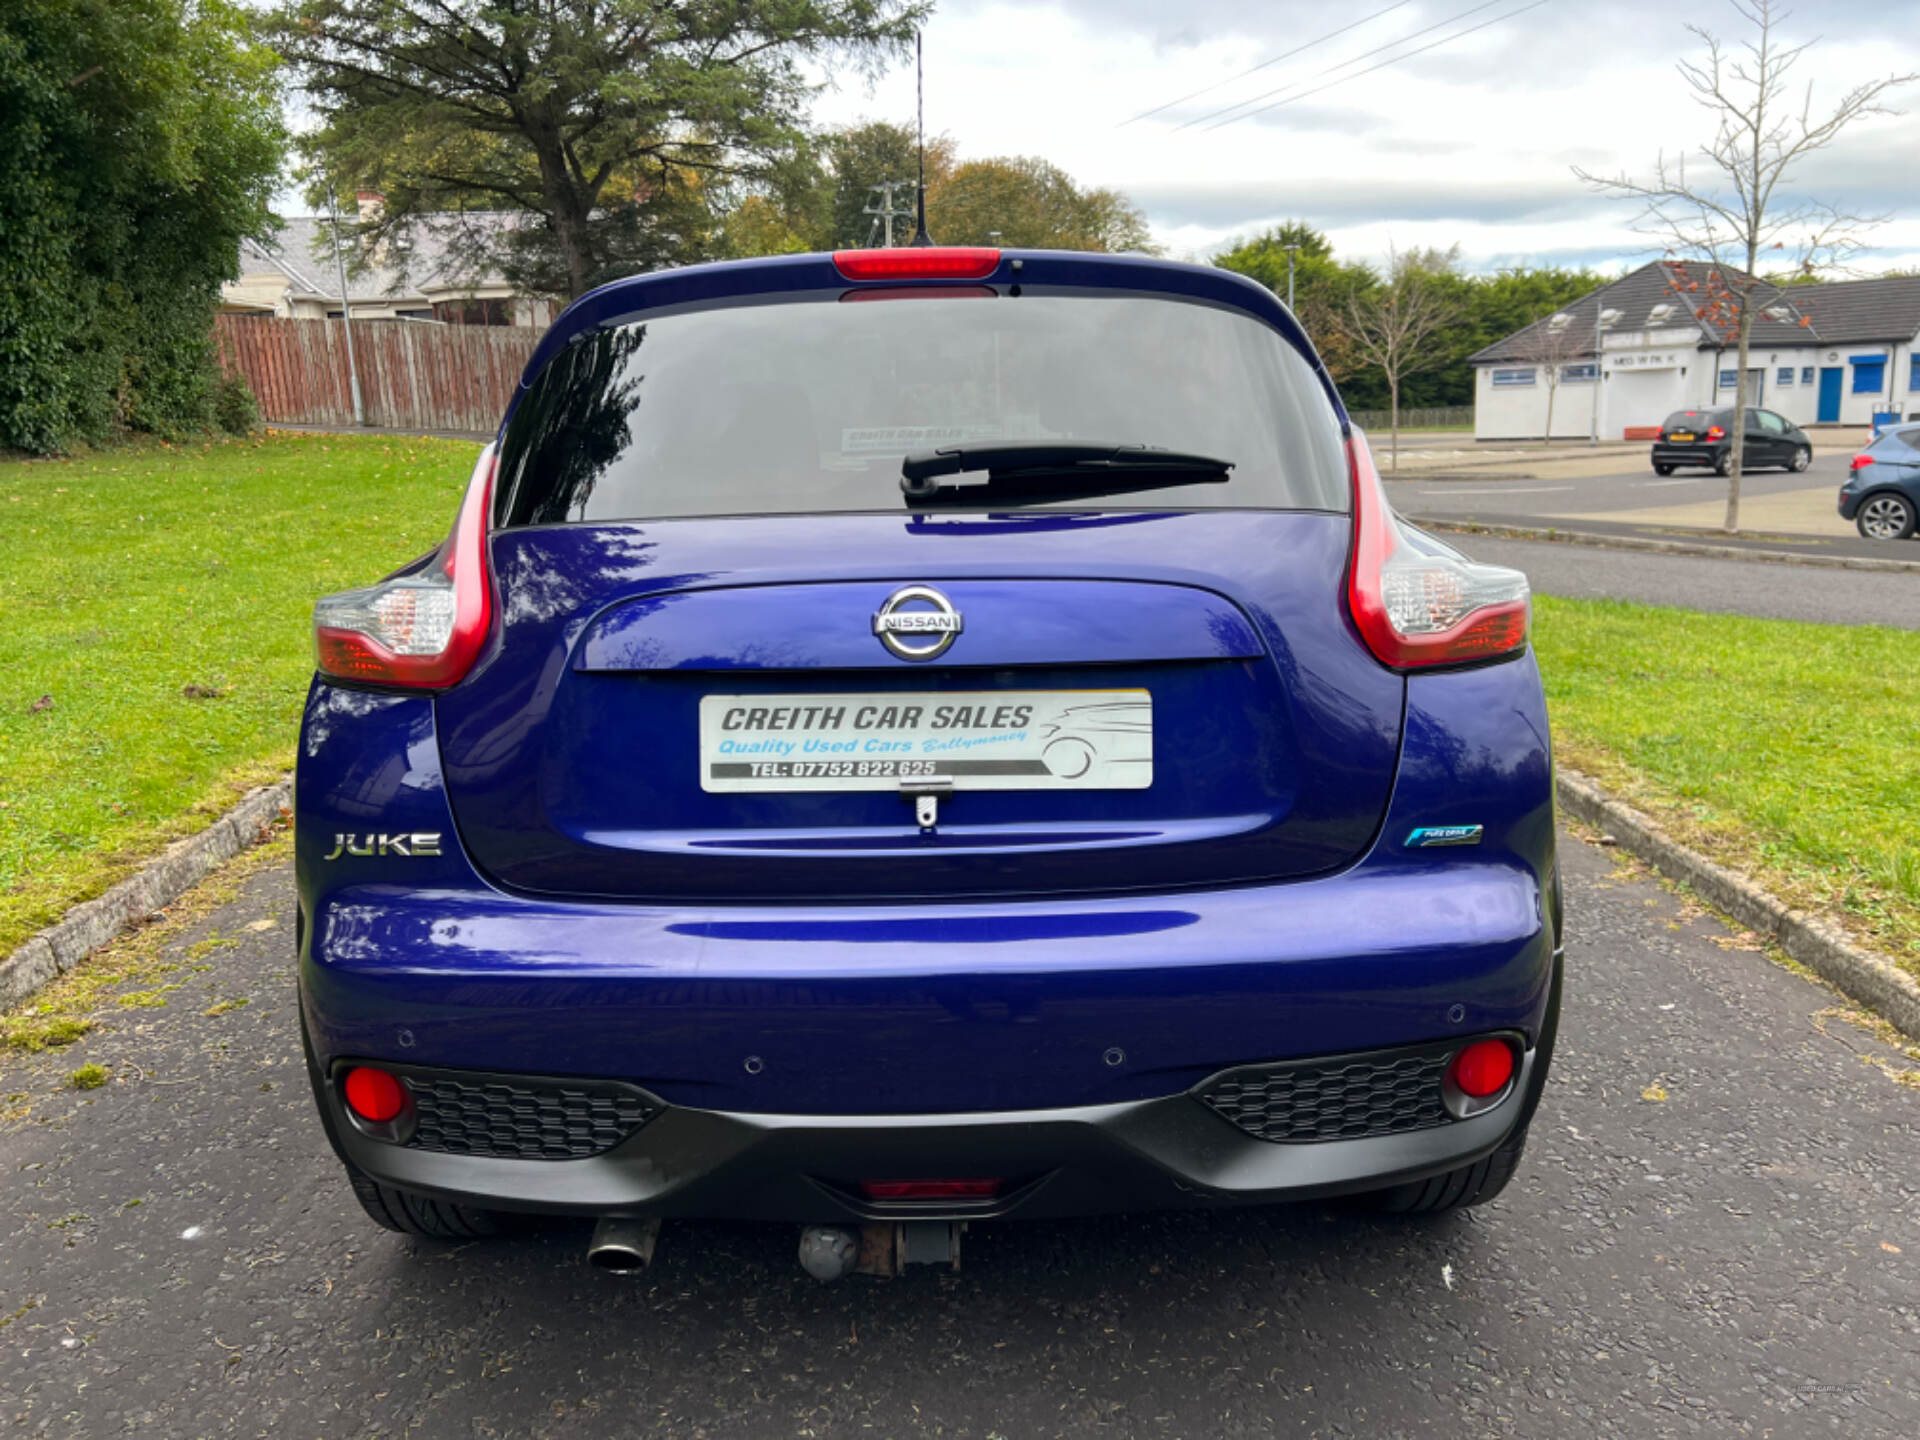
(1885, 517)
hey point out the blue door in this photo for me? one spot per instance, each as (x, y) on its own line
(1830, 379)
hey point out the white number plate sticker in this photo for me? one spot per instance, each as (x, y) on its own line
(981, 740)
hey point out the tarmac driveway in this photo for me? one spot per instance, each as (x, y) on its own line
(1716, 1231)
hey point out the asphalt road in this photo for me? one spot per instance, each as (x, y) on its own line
(1737, 587)
(1634, 491)
(1740, 1257)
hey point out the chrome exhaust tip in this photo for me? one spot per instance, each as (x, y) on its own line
(623, 1244)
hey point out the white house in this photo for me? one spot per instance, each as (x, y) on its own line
(295, 276)
(1838, 353)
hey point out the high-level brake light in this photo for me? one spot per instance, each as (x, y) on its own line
(420, 631)
(919, 262)
(1416, 608)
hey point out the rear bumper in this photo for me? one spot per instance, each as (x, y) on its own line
(1168, 1153)
(1708, 455)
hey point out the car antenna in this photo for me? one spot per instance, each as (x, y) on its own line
(920, 235)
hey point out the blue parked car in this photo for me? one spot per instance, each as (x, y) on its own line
(1882, 492)
(906, 737)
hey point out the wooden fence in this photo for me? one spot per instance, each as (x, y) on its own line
(412, 376)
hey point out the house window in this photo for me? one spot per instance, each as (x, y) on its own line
(492, 311)
(1806, 374)
(1784, 375)
(1869, 374)
(1729, 379)
(1913, 372)
(1579, 374)
(1513, 379)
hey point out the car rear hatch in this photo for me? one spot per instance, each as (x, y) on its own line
(751, 739)
(694, 692)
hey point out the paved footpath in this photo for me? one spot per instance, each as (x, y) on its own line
(1738, 1258)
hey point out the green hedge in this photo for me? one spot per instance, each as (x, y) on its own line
(140, 140)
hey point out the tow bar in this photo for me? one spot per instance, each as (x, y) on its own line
(884, 1248)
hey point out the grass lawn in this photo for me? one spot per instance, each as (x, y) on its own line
(1786, 750)
(160, 597)
(133, 581)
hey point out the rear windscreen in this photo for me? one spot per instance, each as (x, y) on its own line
(1681, 419)
(809, 406)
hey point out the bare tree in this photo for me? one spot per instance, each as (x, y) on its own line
(1391, 324)
(1725, 213)
(1550, 346)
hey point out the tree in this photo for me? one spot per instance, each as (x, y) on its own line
(1745, 207)
(862, 157)
(1395, 324)
(1029, 202)
(614, 126)
(1550, 345)
(139, 142)
(1323, 288)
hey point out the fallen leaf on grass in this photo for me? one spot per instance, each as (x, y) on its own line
(204, 692)
(1655, 1091)
(45, 702)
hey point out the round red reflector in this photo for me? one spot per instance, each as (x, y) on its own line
(1483, 1068)
(374, 1095)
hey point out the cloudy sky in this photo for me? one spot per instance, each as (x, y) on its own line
(1470, 142)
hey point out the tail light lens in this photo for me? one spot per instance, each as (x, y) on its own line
(919, 262)
(1714, 432)
(420, 631)
(1415, 609)
(1860, 462)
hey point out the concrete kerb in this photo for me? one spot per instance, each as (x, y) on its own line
(1858, 974)
(184, 864)
(1663, 547)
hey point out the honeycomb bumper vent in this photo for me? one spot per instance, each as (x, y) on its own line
(1340, 1097)
(523, 1119)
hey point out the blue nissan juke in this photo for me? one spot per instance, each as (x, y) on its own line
(906, 737)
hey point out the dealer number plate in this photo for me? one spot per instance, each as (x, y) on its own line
(979, 740)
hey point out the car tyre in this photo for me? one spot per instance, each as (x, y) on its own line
(1724, 465)
(405, 1213)
(1663, 469)
(1802, 458)
(1885, 516)
(1460, 1189)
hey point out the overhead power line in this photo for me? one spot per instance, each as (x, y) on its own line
(1395, 60)
(1264, 64)
(1341, 65)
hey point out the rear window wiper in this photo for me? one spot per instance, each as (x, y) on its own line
(1036, 472)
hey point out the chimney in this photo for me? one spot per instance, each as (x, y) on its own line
(371, 203)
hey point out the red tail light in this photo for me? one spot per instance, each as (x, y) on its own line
(420, 631)
(1860, 462)
(918, 262)
(930, 1189)
(1714, 432)
(1416, 609)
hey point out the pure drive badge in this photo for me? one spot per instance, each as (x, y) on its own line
(917, 622)
(1431, 835)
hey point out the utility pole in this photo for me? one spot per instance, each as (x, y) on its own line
(1290, 249)
(346, 310)
(885, 212)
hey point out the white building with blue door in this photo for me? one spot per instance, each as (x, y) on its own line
(1628, 355)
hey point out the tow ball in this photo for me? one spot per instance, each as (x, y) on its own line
(885, 1248)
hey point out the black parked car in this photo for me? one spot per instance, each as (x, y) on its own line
(1705, 438)
(1882, 493)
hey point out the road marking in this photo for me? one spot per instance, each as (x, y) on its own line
(1650, 484)
(1503, 490)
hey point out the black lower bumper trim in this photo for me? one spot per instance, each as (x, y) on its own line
(1167, 1153)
